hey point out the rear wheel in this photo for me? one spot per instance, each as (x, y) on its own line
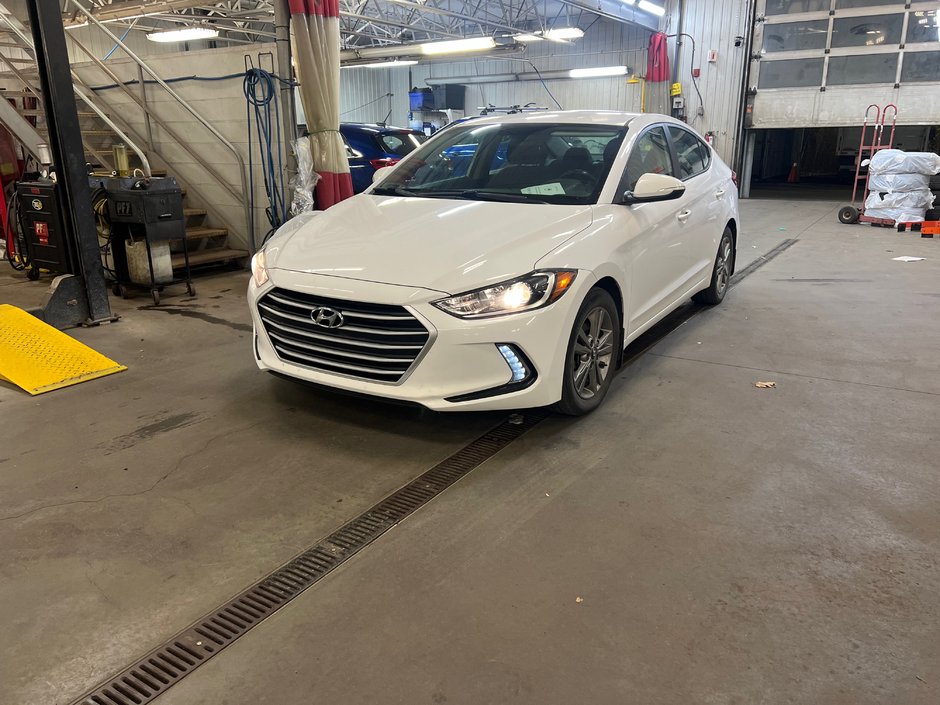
(721, 274)
(593, 353)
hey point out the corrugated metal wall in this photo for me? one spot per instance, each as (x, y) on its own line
(713, 24)
(606, 43)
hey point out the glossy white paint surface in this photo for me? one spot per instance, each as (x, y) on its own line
(412, 251)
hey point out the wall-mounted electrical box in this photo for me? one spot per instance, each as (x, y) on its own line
(712, 56)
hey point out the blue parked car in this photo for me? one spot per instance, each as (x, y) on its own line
(371, 146)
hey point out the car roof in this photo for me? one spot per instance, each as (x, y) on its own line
(580, 117)
(375, 127)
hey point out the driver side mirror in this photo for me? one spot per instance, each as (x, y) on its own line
(654, 187)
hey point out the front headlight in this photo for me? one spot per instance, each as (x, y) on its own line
(532, 291)
(259, 271)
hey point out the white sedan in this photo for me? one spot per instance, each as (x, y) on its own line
(506, 263)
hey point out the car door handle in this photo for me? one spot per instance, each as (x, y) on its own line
(683, 216)
(719, 193)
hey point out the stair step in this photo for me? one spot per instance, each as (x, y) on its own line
(193, 212)
(215, 255)
(204, 232)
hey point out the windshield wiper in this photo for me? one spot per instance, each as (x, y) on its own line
(483, 195)
(393, 191)
(476, 194)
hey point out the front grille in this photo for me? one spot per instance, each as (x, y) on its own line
(375, 342)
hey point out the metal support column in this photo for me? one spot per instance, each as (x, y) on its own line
(68, 154)
(285, 71)
(747, 163)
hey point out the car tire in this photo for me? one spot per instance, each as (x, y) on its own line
(593, 354)
(721, 272)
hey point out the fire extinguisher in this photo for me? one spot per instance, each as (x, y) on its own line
(710, 138)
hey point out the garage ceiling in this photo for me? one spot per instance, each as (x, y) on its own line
(368, 23)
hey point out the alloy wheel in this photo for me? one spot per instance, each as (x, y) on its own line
(593, 352)
(723, 266)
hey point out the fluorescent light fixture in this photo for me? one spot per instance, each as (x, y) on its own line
(630, 2)
(387, 64)
(599, 71)
(457, 46)
(563, 33)
(183, 35)
(652, 8)
(527, 38)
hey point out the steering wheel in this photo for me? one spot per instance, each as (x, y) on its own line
(579, 174)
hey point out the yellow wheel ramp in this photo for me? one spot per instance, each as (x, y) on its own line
(38, 358)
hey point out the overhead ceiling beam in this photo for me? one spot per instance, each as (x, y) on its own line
(393, 23)
(617, 10)
(420, 7)
(128, 10)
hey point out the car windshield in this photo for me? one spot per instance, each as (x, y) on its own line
(515, 162)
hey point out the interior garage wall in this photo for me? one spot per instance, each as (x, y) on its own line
(714, 25)
(606, 43)
(96, 40)
(221, 102)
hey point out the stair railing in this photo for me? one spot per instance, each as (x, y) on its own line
(189, 108)
(19, 29)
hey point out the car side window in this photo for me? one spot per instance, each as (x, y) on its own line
(350, 152)
(693, 154)
(650, 155)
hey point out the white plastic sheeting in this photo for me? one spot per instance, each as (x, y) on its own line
(894, 183)
(894, 161)
(303, 183)
(898, 215)
(905, 200)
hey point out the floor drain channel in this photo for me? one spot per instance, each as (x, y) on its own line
(166, 665)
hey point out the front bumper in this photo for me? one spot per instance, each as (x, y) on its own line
(461, 357)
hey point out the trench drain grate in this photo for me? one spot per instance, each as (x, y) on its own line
(166, 665)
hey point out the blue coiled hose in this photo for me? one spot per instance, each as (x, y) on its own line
(261, 91)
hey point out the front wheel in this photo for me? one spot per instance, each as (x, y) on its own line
(593, 354)
(721, 274)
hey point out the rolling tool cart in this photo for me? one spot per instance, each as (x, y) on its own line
(146, 216)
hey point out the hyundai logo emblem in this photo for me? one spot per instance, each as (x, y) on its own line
(326, 317)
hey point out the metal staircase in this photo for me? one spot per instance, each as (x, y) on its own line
(103, 127)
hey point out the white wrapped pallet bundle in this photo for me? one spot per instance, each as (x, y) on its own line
(894, 161)
(898, 183)
(898, 215)
(904, 200)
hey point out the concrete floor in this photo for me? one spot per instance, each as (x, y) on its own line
(730, 544)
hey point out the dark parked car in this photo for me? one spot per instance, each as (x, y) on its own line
(371, 146)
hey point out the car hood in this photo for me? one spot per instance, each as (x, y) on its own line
(446, 245)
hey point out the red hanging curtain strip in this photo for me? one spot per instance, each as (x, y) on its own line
(324, 8)
(657, 68)
(332, 188)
